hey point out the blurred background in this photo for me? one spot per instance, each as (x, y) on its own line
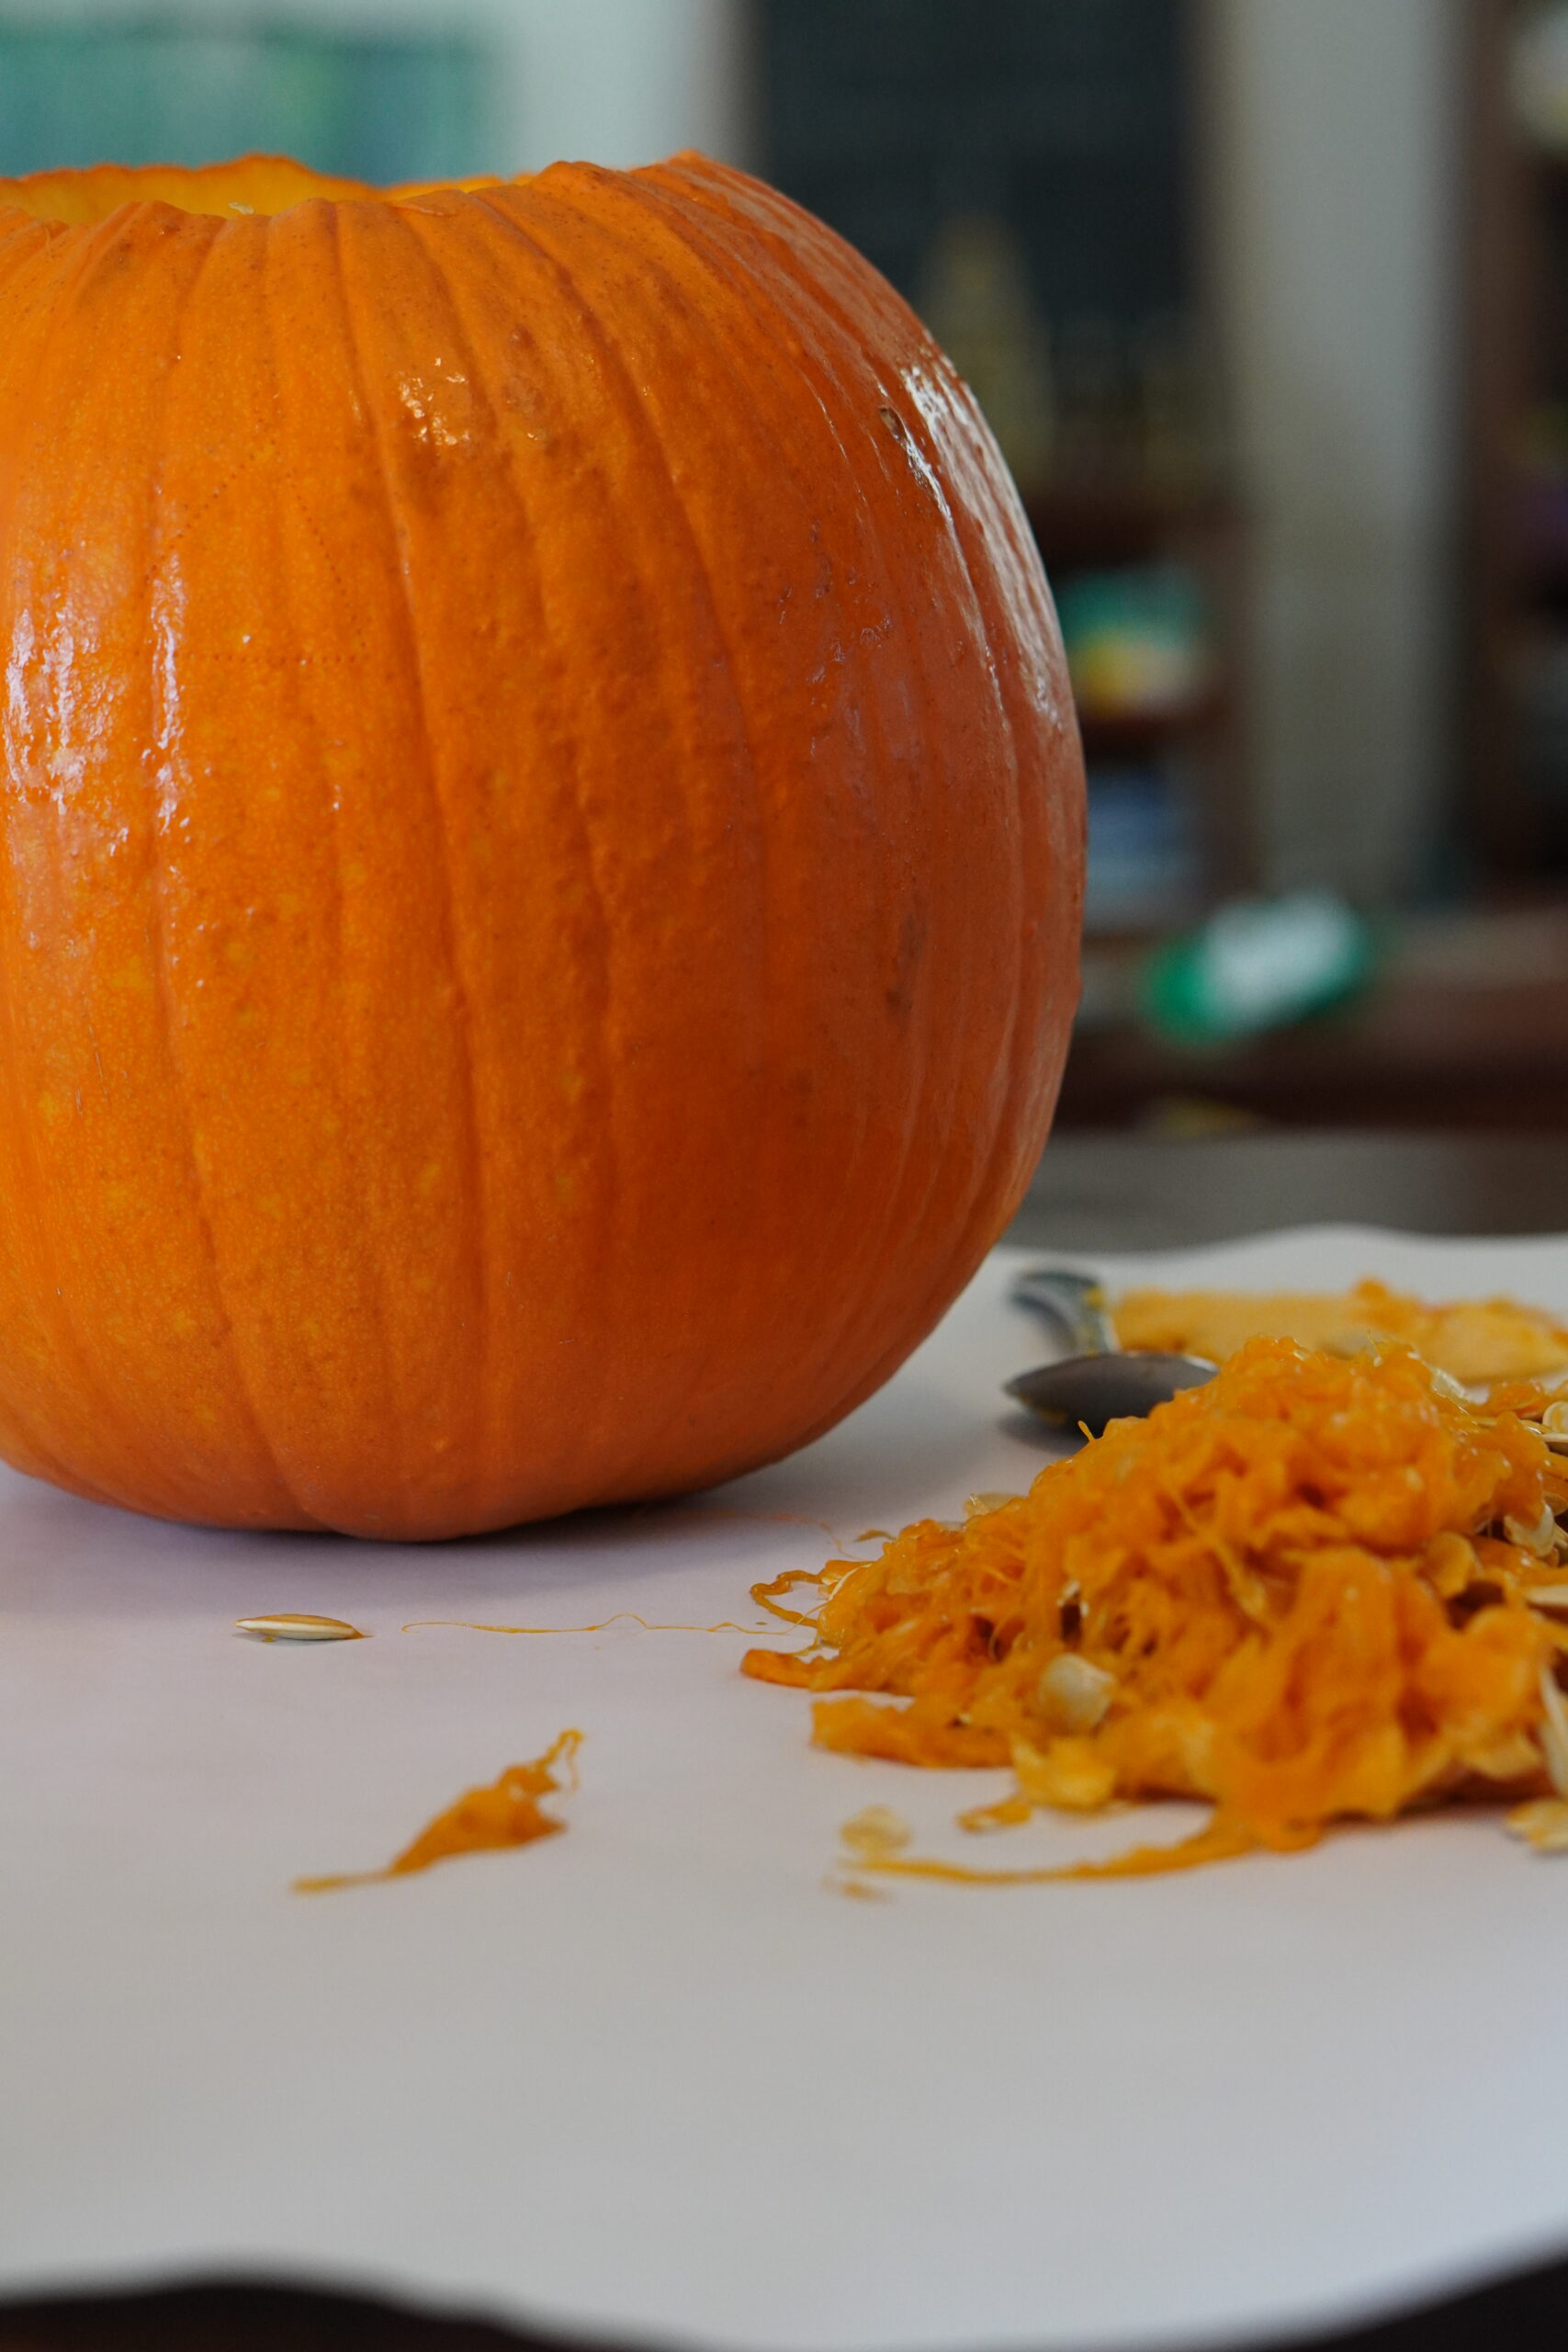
(1267, 301)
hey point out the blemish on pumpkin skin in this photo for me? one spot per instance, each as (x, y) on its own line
(911, 946)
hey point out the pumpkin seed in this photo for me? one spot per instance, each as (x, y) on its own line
(1513, 1757)
(287, 1627)
(1540, 1538)
(1074, 1695)
(1542, 1822)
(1554, 1731)
(875, 1833)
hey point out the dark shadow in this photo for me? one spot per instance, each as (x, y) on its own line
(1526, 2312)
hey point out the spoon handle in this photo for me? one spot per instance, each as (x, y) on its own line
(1076, 1303)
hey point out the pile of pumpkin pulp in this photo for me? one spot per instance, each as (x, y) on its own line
(1313, 1589)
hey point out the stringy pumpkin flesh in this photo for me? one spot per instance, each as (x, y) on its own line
(1475, 1340)
(1299, 1593)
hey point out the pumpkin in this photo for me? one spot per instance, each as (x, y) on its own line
(543, 840)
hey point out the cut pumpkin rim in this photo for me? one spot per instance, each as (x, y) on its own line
(245, 186)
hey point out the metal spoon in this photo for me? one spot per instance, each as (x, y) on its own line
(1098, 1380)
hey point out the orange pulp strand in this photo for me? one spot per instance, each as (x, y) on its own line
(506, 1812)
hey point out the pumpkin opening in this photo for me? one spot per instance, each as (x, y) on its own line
(262, 185)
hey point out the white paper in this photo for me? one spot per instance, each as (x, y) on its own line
(654, 2077)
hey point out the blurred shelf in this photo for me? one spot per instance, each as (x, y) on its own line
(1419, 1053)
(1205, 532)
(1514, 264)
(1128, 524)
(1135, 735)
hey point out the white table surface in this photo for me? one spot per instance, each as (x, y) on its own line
(655, 2078)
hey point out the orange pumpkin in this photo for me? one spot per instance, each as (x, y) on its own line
(539, 893)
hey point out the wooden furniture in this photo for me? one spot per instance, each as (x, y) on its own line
(1492, 1062)
(1205, 533)
(1465, 1028)
(1514, 616)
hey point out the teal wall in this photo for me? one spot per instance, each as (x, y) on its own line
(159, 92)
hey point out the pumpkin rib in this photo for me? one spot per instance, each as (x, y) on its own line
(765, 202)
(986, 1215)
(895, 1219)
(330, 246)
(159, 925)
(696, 1370)
(58, 1310)
(602, 930)
(814, 293)
(97, 253)
(20, 1128)
(901, 1232)
(537, 195)
(87, 256)
(611, 1289)
(649, 1435)
(719, 265)
(596, 1416)
(635, 189)
(472, 1151)
(997, 1187)
(21, 240)
(394, 1464)
(376, 1303)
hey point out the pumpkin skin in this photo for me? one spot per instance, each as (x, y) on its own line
(542, 841)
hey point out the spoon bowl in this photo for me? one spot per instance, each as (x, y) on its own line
(1098, 1381)
(1086, 1392)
